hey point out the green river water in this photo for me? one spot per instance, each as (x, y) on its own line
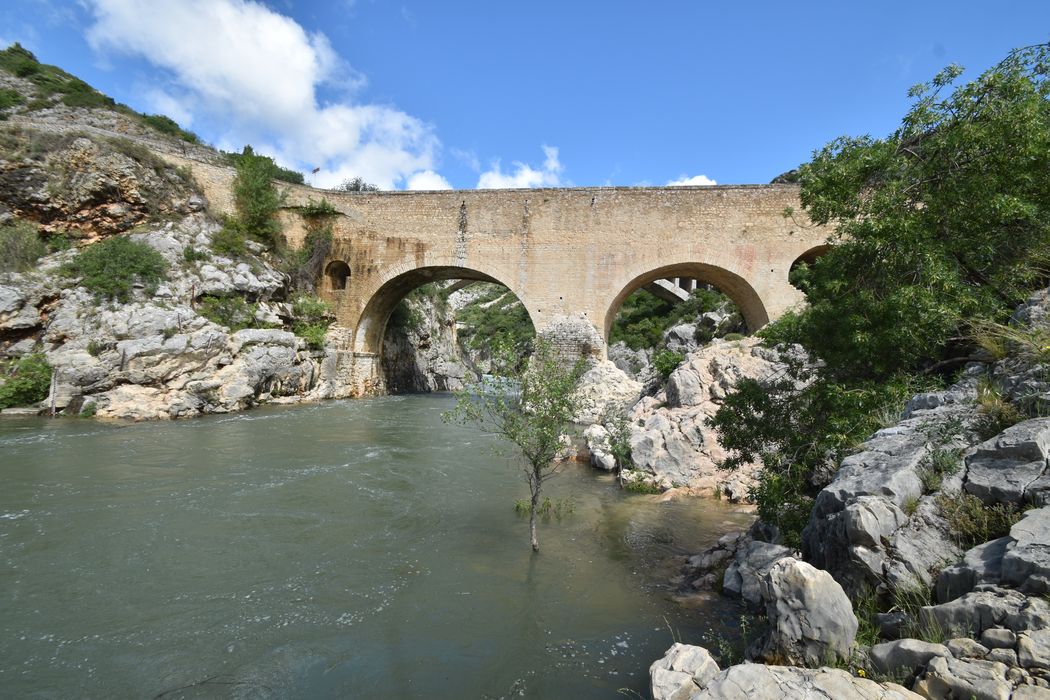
(351, 549)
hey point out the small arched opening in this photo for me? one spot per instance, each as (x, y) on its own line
(798, 275)
(337, 273)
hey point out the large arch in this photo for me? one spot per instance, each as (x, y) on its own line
(733, 285)
(372, 326)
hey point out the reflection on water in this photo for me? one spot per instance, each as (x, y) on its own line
(349, 549)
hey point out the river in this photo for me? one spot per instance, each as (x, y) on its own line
(337, 550)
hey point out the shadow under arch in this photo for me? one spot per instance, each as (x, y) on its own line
(731, 284)
(372, 326)
(811, 255)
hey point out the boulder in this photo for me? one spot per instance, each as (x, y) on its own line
(682, 671)
(987, 607)
(1033, 649)
(810, 618)
(946, 677)
(982, 564)
(904, 655)
(966, 648)
(603, 390)
(1001, 469)
(999, 638)
(597, 438)
(751, 563)
(1026, 565)
(761, 682)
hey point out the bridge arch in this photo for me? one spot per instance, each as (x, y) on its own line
(337, 273)
(733, 285)
(807, 258)
(372, 325)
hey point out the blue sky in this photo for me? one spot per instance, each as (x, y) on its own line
(438, 94)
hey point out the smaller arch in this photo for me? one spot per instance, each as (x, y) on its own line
(807, 258)
(337, 273)
(733, 285)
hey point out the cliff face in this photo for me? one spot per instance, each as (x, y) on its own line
(421, 349)
(213, 334)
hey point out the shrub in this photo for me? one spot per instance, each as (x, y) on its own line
(356, 184)
(256, 198)
(279, 173)
(229, 240)
(971, 522)
(312, 318)
(27, 381)
(665, 362)
(321, 208)
(111, 268)
(10, 98)
(20, 247)
(994, 413)
(167, 125)
(192, 255)
(234, 312)
(937, 464)
(304, 266)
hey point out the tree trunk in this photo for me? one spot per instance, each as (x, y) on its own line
(535, 484)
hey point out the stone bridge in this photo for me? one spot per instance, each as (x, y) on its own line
(570, 255)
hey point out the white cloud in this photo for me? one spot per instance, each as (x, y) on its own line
(694, 181)
(427, 180)
(524, 175)
(258, 72)
(161, 102)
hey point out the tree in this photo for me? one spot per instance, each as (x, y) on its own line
(942, 225)
(530, 415)
(256, 198)
(357, 184)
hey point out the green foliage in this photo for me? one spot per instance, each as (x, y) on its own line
(277, 172)
(312, 316)
(112, 267)
(17, 60)
(95, 348)
(639, 484)
(937, 464)
(643, 317)
(234, 312)
(619, 437)
(168, 126)
(665, 361)
(88, 411)
(496, 318)
(9, 98)
(972, 522)
(20, 246)
(866, 607)
(256, 198)
(530, 419)
(192, 255)
(25, 381)
(304, 266)
(321, 208)
(229, 240)
(797, 424)
(357, 184)
(558, 509)
(994, 413)
(945, 221)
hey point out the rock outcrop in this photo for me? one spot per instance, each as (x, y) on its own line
(671, 440)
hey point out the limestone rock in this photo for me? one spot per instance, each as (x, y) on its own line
(672, 440)
(597, 438)
(999, 638)
(1026, 564)
(681, 672)
(947, 677)
(1033, 648)
(810, 617)
(1002, 469)
(761, 682)
(988, 607)
(905, 655)
(604, 389)
(966, 648)
(981, 564)
(751, 563)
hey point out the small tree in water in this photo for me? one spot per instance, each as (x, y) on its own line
(531, 415)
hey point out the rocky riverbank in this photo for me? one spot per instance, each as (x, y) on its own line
(923, 570)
